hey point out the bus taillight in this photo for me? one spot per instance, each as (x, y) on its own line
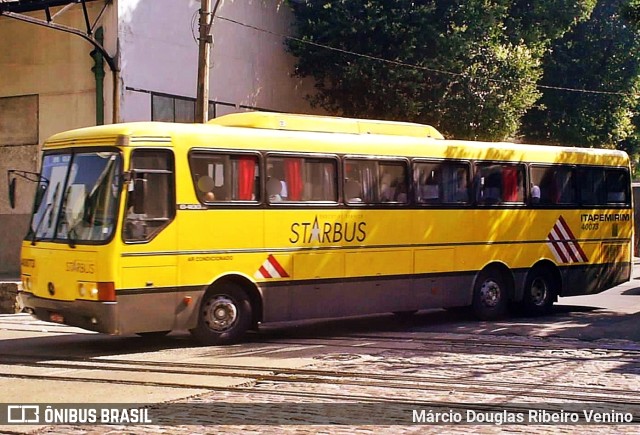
(106, 292)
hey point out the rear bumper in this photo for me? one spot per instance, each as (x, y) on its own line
(592, 279)
(90, 315)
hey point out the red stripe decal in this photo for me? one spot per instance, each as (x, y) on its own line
(576, 245)
(283, 273)
(264, 272)
(557, 248)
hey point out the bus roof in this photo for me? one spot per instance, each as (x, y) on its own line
(307, 133)
(325, 124)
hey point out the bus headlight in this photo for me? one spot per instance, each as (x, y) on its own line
(86, 289)
(26, 283)
(101, 291)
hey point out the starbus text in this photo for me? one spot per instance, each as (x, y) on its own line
(307, 232)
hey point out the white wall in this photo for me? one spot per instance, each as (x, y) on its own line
(159, 53)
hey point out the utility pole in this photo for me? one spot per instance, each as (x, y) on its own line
(204, 55)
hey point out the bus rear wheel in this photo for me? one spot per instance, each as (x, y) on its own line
(224, 316)
(489, 295)
(539, 292)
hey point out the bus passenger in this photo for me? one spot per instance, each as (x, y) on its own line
(462, 191)
(274, 190)
(352, 191)
(535, 193)
(386, 191)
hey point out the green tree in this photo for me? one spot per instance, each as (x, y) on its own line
(469, 67)
(631, 12)
(599, 54)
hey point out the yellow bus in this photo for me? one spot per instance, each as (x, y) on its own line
(262, 217)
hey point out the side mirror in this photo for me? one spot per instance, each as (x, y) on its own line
(139, 195)
(12, 193)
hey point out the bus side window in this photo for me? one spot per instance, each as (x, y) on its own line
(151, 195)
(441, 182)
(392, 185)
(592, 186)
(600, 187)
(361, 181)
(220, 177)
(427, 179)
(456, 182)
(301, 178)
(371, 181)
(499, 183)
(320, 177)
(488, 184)
(617, 185)
(552, 185)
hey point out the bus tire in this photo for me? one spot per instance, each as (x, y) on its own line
(489, 295)
(224, 315)
(539, 292)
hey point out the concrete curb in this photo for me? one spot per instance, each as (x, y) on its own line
(8, 297)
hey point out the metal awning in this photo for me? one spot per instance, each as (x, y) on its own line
(16, 9)
(21, 6)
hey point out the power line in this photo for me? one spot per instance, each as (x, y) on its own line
(413, 66)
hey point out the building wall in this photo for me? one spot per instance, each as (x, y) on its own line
(19, 140)
(46, 86)
(250, 68)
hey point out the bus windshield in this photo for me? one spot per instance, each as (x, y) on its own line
(77, 198)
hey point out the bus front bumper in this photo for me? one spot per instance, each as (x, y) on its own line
(90, 315)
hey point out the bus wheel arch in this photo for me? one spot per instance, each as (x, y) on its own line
(492, 290)
(542, 287)
(226, 312)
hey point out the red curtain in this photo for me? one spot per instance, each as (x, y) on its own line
(510, 184)
(293, 177)
(246, 178)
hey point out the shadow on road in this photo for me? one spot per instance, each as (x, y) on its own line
(632, 291)
(569, 327)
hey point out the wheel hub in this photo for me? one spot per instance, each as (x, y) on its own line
(539, 292)
(490, 293)
(220, 313)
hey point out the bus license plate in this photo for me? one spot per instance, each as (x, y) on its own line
(56, 318)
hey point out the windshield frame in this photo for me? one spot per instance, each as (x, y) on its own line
(34, 234)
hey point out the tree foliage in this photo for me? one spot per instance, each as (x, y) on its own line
(631, 12)
(599, 54)
(469, 67)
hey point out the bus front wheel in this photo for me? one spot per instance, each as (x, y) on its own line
(539, 292)
(489, 295)
(224, 316)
